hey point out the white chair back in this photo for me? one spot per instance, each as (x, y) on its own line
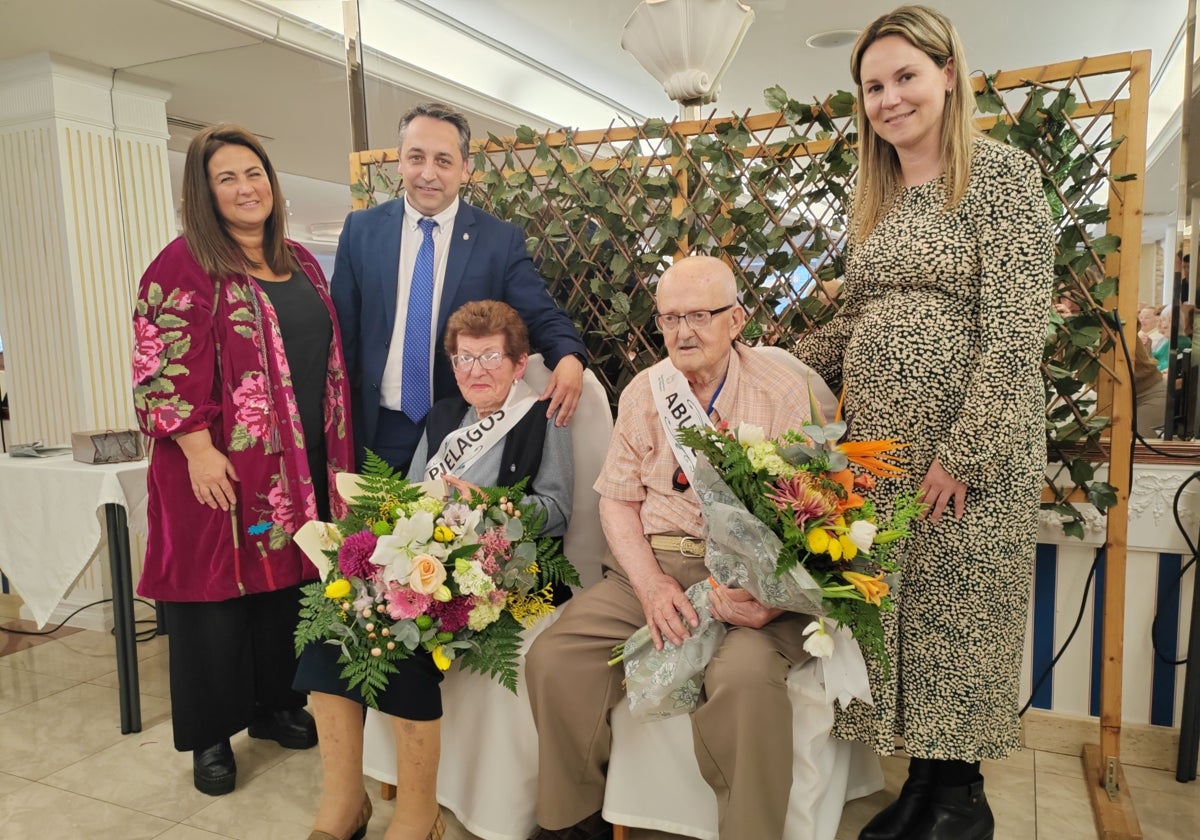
(591, 427)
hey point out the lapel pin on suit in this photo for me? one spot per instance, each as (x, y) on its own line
(466, 236)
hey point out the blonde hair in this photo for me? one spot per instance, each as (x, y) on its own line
(878, 165)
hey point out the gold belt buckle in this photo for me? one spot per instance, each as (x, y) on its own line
(691, 547)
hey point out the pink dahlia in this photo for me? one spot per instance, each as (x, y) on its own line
(453, 613)
(354, 557)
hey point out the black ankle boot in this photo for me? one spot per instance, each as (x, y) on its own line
(213, 769)
(897, 820)
(957, 813)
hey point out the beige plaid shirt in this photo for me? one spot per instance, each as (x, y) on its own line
(639, 464)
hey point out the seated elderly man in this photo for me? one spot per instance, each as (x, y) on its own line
(652, 519)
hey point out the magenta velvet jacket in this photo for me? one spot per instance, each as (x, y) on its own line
(209, 355)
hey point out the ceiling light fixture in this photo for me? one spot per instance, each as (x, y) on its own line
(833, 38)
(687, 45)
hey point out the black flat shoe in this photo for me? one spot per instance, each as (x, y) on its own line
(293, 729)
(896, 821)
(214, 771)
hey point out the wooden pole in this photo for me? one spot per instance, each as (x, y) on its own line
(1111, 805)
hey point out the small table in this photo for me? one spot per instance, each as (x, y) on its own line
(49, 530)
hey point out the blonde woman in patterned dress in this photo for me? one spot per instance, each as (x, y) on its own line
(938, 343)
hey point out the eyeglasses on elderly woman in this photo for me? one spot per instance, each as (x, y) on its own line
(488, 361)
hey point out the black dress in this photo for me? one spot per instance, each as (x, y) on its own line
(307, 333)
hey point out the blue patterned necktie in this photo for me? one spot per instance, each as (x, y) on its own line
(414, 372)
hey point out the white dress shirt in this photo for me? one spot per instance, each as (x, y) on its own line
(410, 243)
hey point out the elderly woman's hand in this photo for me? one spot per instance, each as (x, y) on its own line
(465, 488)
(564, 388)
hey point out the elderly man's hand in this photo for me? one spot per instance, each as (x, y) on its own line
(738, 607)
(564, 388)
(668, 611)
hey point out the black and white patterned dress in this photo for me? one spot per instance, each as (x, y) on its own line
(938, 344)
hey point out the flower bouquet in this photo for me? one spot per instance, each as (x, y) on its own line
(404, 570)
(790, 522)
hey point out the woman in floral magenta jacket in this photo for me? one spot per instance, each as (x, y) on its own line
(240, 382)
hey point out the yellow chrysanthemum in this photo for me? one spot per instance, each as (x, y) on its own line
(817, 540)
(339, 588)
(849, 549)
(834, 549)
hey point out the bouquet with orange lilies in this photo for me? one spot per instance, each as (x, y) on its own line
(789, 520)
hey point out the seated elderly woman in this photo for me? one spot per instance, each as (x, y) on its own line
(495, 434)
(488, 347)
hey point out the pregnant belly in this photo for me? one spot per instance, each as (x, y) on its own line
(915, 361)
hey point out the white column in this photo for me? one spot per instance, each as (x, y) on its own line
(85, 204)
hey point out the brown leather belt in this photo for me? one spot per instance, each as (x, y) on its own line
(687, 546)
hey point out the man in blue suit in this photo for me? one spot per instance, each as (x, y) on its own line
(403, 267)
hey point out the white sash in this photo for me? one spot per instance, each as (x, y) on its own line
(677, 409)
(463, 447)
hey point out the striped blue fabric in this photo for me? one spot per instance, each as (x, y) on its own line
(1162, 681)
(415, 385)
(1045, 587)
(1097, 632)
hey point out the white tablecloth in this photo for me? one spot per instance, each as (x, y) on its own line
(51, 513)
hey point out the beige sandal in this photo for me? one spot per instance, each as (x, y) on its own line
(360, 830)
(439, 828)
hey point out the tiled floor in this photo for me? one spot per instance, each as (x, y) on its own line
(66, 772)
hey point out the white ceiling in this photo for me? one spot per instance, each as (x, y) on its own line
(266, 65)
(582, 37)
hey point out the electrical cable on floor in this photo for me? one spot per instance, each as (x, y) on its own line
(139, 635)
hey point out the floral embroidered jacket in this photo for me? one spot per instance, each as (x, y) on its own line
(209, 355)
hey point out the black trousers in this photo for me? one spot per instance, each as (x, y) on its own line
(227, 659)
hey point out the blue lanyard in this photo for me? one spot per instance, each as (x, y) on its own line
(716, 394)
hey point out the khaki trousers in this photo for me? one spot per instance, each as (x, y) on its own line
(741, 730)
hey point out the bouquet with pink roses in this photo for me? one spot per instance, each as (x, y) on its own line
(404, 570)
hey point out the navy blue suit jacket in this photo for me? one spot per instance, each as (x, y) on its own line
(486, 261)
